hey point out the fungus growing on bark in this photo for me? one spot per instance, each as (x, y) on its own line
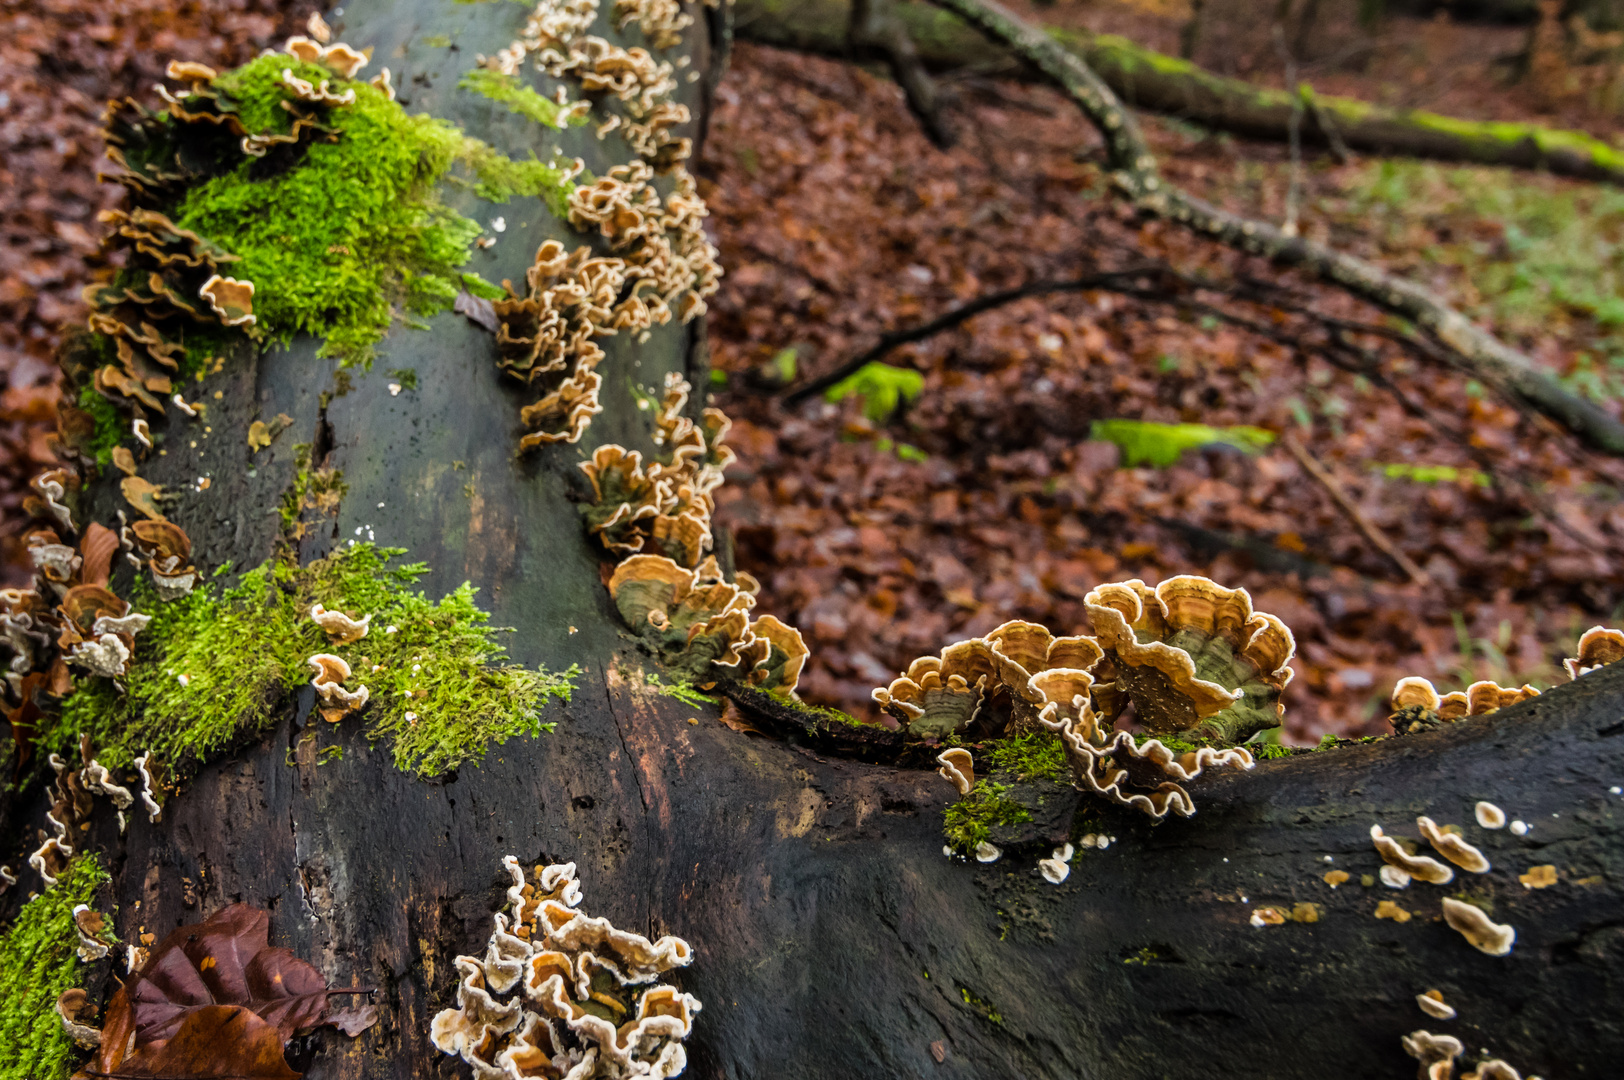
(90, 925)
(336, 702)
(1597, 646)
(958, 768)
(50, 859)
(1475, 926)
(168, 551)
(586, 1001)
(50, 488)
(1057, 867)
(1453, 847)
(213, 999)
(1424, 867)
(143, 495)
(987, 853)
(1386, 909)
(1267, 916)
(1146, 776)
(1538, 877)
(1192, 656)
(1432, 1003)
(700, 624)
(73, 1007)
(1436, 1053)
(340, 628)
(149, 787)
(1489, 816)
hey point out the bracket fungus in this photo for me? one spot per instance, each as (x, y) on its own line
(1453, 847)
(330, 674)
(1489, 816)
(563, 996)
(168, 551)
(1424, 867)
(340, 628)
(1474, 925)
(90, 925)
(1436, 1053)
(958, 769)
(73, 1007)
(700, 625)
(1057, 867)
(1192, 656)
(1433, 1004)
(1597, 646)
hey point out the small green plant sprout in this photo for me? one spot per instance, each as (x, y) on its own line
(882, 388)
(1161, 445)
(1432, 474)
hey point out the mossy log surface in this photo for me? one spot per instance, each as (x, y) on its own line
(832, 937)
(1156, 82)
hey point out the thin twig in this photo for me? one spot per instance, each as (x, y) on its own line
(953, 318)
(1364, 524)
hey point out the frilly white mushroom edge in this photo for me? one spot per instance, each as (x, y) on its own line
(559, 994)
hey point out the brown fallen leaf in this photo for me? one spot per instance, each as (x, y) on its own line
(97, 548)
(143, 495)
(354, 1021)
(477, 310)
(215, 1000)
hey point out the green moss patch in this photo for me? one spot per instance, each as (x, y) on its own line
(1037, 756)
(517, 97)
(214, 668)
(37, 963)
(353, 229)
(969, 821)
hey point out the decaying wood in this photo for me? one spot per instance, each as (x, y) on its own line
(832, 936)
(1145, 79)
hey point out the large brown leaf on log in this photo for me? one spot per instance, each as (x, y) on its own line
(208, 1003)
(214, 1041)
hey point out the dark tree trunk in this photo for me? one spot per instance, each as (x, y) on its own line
(832, 937)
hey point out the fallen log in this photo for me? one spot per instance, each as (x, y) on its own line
(1155, 82)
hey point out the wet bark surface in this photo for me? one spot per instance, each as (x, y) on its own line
(834, 939)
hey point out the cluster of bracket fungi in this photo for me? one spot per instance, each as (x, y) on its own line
(563, 996)
(174, 282)
(70, 618)
(660, 265)
(1196, 663)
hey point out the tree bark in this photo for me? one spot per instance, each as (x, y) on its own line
(832, 937)
(1158, 83)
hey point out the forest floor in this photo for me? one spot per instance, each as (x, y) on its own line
(885, 533)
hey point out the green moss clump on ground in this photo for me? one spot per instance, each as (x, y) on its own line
(1036, 756)
(37, 963)
(969, 821)
(440, 693)
(509, 91)
(354, 228)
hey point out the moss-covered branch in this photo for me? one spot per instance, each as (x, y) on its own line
(1153, 81)
(1133, 170)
